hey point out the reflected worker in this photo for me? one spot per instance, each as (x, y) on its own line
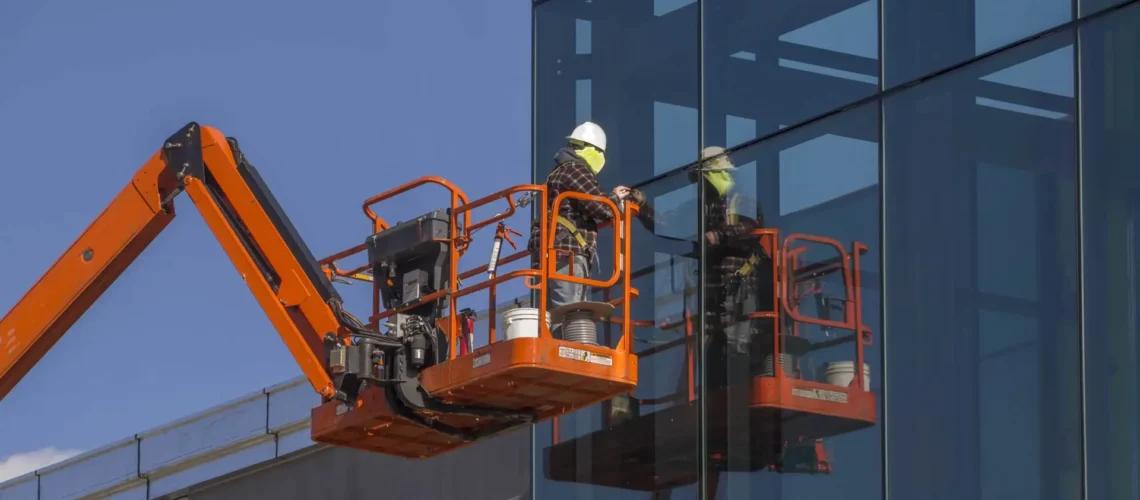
(576, 168)
(738, 272)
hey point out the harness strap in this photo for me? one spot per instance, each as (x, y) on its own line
(749, 266)
(563, 221)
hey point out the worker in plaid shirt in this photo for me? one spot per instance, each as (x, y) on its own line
(576, 233)
(738, 274)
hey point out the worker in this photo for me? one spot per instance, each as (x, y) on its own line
(577, 165)
(738, 272)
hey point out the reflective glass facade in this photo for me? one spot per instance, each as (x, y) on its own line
(951, 185)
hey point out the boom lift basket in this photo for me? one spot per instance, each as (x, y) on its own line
(788, 414)
(511, 382)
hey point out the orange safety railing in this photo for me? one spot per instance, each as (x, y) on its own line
(621, 259)
(633, 324)
(460, 238)
(457, 197)
(850, 269)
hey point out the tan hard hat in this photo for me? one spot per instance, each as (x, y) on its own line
(718, 160)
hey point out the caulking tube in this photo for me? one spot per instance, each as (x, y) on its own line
(467, 329)
(470, 321)
(495, 249)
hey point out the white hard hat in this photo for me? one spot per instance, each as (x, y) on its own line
(717, 164)
(590, 133)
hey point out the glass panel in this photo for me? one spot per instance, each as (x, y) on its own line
(1110, 93)
(629, 66)
(631, 448)
(1088, 7)
(817, 188)
(924, 36)
(771, 65)
(983, 351)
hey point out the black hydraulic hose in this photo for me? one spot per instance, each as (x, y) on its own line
(399, 403)
(434, 339)
(359, 329)
(434, 404)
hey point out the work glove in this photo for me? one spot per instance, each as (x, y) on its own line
(637, 196)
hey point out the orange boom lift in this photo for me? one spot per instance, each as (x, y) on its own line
(406, 390)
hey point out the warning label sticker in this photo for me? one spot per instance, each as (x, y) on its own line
(584, 355)
(481, 360)
(820, 394)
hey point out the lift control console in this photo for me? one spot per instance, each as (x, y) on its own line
(410, 261)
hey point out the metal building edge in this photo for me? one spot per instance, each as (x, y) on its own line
(230, 440)
(257, 430)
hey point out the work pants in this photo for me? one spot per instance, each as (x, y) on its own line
(560, 293)
(733, 354)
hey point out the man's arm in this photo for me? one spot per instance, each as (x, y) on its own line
(647, 215)
(577, 178)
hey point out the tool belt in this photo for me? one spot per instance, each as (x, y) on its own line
(735, 283)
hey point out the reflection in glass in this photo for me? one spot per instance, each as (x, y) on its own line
(631, 70)
(1088, 7)
(634, 71)
(921, 37)
(982, 348)
(632, 447)
(769, 65)
(1110, 93)
(800, 206)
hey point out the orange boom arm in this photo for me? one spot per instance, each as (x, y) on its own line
(245, 218)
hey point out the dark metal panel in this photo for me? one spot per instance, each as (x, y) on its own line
(498, 469)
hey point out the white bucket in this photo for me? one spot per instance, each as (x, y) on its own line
(842, 373)
(521, 322)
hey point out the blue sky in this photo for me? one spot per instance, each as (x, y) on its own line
(332, 103)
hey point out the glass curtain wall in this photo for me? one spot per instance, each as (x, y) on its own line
(770, 67)
(1110, 134)
(983, 347)
(921, 37)
(986, 185)
(816, 188)
(631, 66)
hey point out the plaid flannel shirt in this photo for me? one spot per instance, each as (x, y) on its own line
(572, 174)
(734, 244)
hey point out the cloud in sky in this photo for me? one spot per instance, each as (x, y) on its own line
(23, 463)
